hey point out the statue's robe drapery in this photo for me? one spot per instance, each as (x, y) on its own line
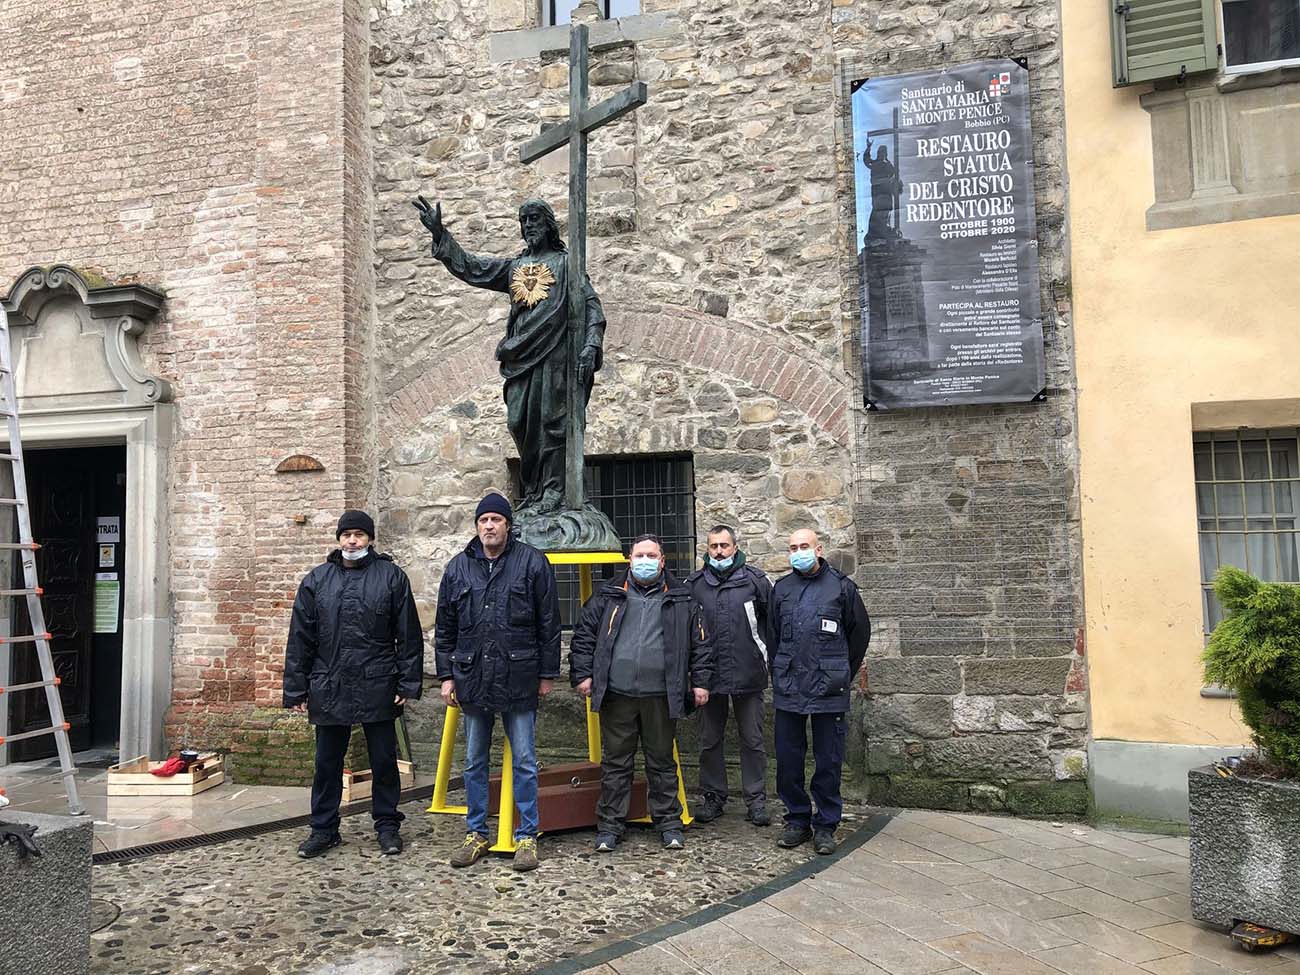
(534, 354)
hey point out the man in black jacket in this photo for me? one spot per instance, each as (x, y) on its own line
(819, 635)
(497, 651)
(354, 656)
(641, 653)
(733, 600)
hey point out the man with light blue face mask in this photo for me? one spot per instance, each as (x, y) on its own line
(641, 653)
(733, 597)
(355, 655)
(818, 636)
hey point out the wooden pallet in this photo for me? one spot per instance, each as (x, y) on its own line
(357, 785)
(133, 778)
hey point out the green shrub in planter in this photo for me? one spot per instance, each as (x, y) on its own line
(1255, 651)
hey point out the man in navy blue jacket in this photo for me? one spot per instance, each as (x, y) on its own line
(496, 646)
(819, 631)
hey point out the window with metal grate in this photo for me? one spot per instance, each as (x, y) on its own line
(1247, 506)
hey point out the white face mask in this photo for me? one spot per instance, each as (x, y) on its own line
(353, 556)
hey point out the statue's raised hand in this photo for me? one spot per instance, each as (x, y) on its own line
(431, 217)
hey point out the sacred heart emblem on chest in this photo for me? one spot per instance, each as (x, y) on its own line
(531, 283)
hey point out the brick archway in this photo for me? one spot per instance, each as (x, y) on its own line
(735, 350)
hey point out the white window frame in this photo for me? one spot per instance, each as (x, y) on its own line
(1252, 67)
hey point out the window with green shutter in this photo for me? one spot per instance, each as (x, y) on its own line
(1153, 39)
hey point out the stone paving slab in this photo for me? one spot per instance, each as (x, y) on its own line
(936, 893)
(930, 894)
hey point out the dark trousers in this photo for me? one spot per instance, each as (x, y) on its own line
(828, 756)
(327, 786)
(624, 720)
(748, 711)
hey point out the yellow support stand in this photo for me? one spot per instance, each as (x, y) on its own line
(506, 820)
(445, 750)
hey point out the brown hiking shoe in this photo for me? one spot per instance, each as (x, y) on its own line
(471, 851)
(526, 854)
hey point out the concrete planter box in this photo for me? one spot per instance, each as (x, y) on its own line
(1245, 850)
(45, 900)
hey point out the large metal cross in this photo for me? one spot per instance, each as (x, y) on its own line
(573, 133)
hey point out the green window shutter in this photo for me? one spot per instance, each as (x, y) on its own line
(1153, 39)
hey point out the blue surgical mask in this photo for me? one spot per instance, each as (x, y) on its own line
(804, 559)
(645, 568)
(355, 556)
(722, 564)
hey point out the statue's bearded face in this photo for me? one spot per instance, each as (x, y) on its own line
(532, 224)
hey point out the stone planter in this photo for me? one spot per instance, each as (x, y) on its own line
(45, 900)
(1245, 850)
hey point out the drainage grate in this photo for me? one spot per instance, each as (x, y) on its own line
(246, 832)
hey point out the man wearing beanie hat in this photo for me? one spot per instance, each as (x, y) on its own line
(497, 651)
(355, 655)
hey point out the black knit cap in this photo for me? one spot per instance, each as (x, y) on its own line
(494, 504)
(351, 519)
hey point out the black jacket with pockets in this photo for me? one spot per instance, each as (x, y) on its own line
(688, 652)
(355, 642)
(734, 609)
(819, 634)
(497, 629)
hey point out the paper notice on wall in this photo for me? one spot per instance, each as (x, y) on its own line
(108, 529)
(108, 599)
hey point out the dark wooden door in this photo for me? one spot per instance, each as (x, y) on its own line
(65, 488)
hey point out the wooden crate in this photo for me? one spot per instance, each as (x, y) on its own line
(133, 778)
(357, 785)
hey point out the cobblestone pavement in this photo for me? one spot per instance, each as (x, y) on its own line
(941, 894)
(251, 907)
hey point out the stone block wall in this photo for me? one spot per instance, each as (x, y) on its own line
(967, 518)
(712, 222)
(722, 217)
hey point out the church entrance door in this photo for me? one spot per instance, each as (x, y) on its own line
(78, 508)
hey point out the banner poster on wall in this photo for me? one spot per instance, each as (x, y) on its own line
(948, 258)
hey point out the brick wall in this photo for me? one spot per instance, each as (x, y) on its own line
(212, 150)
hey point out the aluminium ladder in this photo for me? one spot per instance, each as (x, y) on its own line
(26, 549)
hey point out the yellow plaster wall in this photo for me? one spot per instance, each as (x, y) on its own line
(1163, 320)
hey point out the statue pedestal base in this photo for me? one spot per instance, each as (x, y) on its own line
(585, 529)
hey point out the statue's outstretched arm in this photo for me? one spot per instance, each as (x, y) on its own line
(492, 273)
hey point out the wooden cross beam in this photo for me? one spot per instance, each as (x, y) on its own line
(573, 133)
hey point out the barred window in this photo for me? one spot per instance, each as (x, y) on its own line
(1247, 503)
(559, 11)
(640, 494)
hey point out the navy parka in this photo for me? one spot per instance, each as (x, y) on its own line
(497, 629)
(819, 631)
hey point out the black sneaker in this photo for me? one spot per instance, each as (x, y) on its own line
(794, 835)
(605, 842)
(317, 843)
(390, 843)
(674, 840)
(758, 814)
(824, 841)
(710, 808)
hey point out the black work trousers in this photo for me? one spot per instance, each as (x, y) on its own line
(624, 720)
(327, 785)
(748, 711)
(828, 733)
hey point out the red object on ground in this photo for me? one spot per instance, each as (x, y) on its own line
(168, 768)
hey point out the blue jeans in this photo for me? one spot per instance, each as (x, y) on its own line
(520, 730)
